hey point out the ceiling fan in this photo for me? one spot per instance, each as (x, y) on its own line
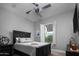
(37, 9)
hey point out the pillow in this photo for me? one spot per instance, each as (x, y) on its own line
(27, 41)
(23, 40)
(28, 38)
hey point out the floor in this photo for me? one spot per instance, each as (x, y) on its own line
(57, 54)
(54, 52)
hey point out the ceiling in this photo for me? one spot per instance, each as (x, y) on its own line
(21, 8)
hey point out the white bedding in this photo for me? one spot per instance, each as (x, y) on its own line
(29, 48)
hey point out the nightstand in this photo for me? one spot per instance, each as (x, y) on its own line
(71, 53)
(6, 50)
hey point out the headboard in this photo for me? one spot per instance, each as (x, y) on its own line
(20, 34)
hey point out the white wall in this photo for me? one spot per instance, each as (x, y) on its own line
(64, 28)
(10, 22)
(37, 29)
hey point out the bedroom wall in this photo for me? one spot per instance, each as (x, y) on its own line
(9, 22)
(64, 28)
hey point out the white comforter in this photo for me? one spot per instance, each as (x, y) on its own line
(29, 48)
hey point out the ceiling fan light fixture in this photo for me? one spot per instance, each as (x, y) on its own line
(37, 8)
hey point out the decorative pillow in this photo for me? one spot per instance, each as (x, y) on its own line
(17, 40)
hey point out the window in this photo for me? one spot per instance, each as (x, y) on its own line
(48, 33)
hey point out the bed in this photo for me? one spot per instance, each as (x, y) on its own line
(29, 48)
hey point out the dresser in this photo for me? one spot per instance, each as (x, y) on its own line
(6, 50)
(71, 53)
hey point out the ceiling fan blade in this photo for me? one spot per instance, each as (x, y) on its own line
(35, 4)
(47, 6)
(28, 11)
